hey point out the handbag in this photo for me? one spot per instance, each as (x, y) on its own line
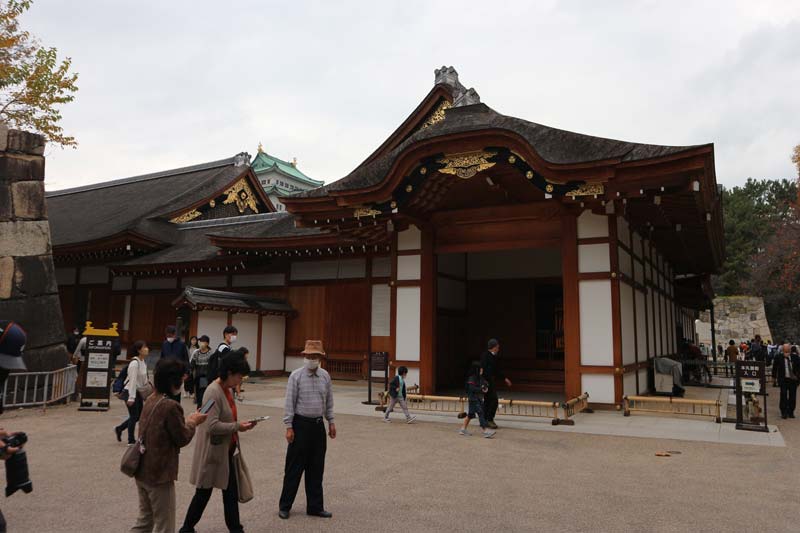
(243, 481)
(145, 390)
(133, 455)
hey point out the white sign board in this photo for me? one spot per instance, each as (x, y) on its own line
(98, 360)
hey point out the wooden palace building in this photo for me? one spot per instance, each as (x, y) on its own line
(586, 257)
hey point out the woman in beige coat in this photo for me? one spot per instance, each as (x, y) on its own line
(215, 442)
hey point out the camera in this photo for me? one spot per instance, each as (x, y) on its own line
(17, 477)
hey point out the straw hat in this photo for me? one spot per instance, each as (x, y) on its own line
(313, 347)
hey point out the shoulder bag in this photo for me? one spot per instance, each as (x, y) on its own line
(133, 455)
(243, 482)
(147, 389)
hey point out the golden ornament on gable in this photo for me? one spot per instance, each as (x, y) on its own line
(587, 189)
(242, 195)
(186, 217)
(466, 164)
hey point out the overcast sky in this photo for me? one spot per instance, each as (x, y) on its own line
(165, 84)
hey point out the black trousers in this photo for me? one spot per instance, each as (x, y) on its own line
(788, 396)
(230, 504)
(490, 403)
(305, 455)
(134, 412)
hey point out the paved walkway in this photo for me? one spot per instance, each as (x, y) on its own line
(424, 477)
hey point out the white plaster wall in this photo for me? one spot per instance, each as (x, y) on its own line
(593, 258)
(629, 384)
(597, 346)
(93, 274)
(212, 323)
(412, 378)
(452, 294)
(247, 325)
(121, 283)
(599, 386)
(637, 245)
(452, 264)
(409, 267)
(591, 225)
(381, 267)
(380, 321)
(205, 282)
(514, 264)
(638, 272)
(145, 284)
(652, 320)
(273, 341)
(641, 326)
(292, 362)
(66, 276)
(408, 322)
(126, 318)
(643, 389)
(410, 239)
(625, 262)
(275, 279)
(331, 269)
(628, 324)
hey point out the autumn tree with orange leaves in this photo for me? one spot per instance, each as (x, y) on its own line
(33, 82)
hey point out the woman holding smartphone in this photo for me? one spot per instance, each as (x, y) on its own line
(216, 442)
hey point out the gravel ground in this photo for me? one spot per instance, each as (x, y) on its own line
(424, 477)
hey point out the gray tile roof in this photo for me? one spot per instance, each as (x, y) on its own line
(222, 299)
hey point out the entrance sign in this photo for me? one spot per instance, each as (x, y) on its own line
(378, 361)
(99, 368)
(751, 382)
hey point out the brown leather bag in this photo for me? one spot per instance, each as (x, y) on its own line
(243, 482)
(133, 455)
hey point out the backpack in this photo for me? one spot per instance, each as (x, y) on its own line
(214, 362)
(119, 383)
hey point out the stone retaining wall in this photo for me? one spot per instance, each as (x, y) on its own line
(28, 289)
(735, 317)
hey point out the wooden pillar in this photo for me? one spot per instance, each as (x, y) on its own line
(569, 274)
(616, 311)
(427, 351)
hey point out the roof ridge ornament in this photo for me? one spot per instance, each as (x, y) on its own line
(461, 95)
(240, 159)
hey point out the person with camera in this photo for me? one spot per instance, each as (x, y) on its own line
(12, 342)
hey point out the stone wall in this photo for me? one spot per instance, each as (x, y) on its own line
(735, 317)
(28, 289)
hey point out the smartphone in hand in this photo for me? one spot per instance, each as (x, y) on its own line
(207, 407)
(258, 419)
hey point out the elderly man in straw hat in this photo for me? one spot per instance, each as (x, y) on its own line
(309, 401)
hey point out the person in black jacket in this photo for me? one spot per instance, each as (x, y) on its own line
(476, 388)
(174, 348)
(397, 393)
(491, 371)
(786, 369)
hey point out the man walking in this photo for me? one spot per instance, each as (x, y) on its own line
(174, 348)
(309, 401)
(786, 370)
(492, 370)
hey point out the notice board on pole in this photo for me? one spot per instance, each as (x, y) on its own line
(98, 368)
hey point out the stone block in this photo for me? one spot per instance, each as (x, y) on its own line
(46, 358)
(17, 167)
(6, 211)
(28, 199)
(40, 316)
(25, 142)
(34, 276)
(3, 137)
(25, 238)
(6, 277)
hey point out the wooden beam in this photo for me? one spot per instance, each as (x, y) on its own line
(569, 275)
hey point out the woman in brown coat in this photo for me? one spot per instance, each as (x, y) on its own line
(163, 432)
(212, 465)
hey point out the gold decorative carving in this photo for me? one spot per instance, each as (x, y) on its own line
(242, 195)
(393, 205)
(423, 171)
(466, 164)
(529, 174)
(548, 187)
(186, 217)
(212, 203)
(512, 159)
(409, 188)
(588, 189)
(437, 115)
(365, 212)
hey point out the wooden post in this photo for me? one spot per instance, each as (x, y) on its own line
(427, 330)
(569, 274)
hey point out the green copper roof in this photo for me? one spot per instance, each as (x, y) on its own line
(278, 190)
(264, 162)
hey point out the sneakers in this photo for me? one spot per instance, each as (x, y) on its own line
(464, 432)
(411, 419)
(488, 434)
(387, 420)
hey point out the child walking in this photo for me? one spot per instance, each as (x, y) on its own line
(397, 394)
(476, 387)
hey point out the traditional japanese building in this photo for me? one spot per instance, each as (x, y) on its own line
(280, 178)
(585, 256)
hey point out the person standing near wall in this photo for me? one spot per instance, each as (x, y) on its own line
(786, 369)
(174, 348)
(492, 371)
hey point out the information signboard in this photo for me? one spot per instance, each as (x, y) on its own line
(98, 370)
(751, 383)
